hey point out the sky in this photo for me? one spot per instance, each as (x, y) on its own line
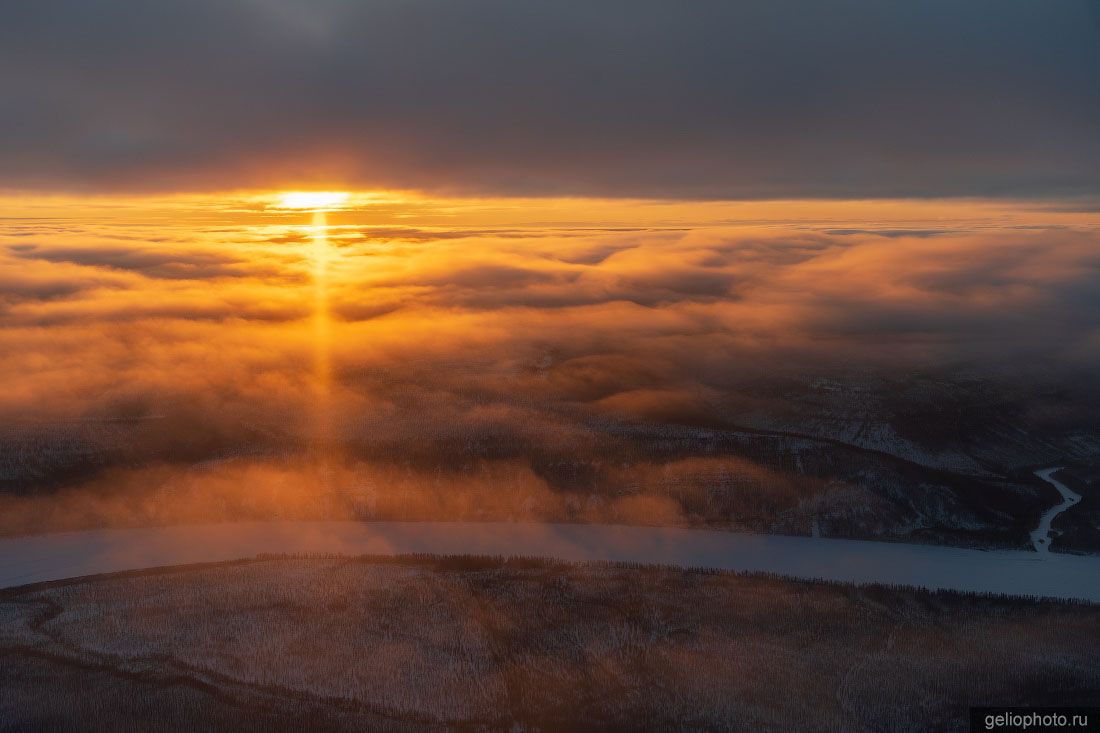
(775, 99)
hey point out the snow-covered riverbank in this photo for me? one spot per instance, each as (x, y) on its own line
(56, 556)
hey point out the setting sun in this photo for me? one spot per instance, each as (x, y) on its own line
(313, 200)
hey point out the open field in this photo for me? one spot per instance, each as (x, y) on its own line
(417, 642)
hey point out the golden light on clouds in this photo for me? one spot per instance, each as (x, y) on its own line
(389, 331)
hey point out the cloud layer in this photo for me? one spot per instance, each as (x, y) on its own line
(225, 314)
(560, 360)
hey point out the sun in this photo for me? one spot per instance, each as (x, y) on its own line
(313, 200)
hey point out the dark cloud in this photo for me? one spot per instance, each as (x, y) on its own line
(19, 289)
(216, 312)
(413, 234)
(775, 98)
(596, 254)
(891, 232)
(488, 277)
(789, 249)
(154, 263)
(682, 283)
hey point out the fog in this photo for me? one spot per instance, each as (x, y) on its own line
(466, 350)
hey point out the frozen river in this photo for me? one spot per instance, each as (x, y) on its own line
(56, 556)
(1040, 537)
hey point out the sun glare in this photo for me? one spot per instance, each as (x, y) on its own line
(313, 200)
